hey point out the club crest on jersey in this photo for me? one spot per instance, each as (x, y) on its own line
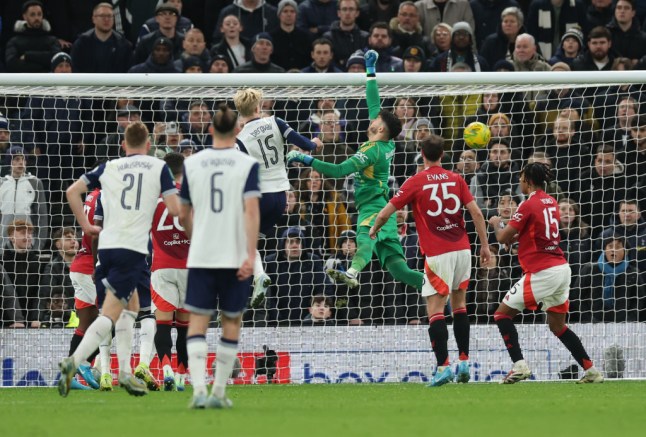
(176, 236)
(517, 217)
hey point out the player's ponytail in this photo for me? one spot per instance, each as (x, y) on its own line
(537, 174)
(224, 120)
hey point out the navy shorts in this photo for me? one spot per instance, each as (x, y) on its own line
(120, 270)
(272, 208)
(143, 289)
(210, 289)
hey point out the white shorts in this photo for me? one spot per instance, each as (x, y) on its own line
(168, 290)
(84, 290)
(447, 272)
(548, 290)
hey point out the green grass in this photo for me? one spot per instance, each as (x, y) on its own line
(546, 409)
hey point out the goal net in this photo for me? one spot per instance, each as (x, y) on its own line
(588, 128)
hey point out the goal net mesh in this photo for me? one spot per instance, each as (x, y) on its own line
(592, 136)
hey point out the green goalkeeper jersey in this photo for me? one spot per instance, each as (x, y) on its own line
(371, 163)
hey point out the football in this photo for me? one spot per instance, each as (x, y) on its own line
(477, 135)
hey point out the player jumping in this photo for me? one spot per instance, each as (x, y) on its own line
(371, 165)
(437, 196)
(546, 280)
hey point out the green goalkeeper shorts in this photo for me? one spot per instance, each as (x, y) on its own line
(387, 243)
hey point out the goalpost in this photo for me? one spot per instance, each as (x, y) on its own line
(580, 123)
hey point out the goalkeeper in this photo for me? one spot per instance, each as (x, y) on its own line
(371, 166)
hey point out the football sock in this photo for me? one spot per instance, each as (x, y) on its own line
(93, 355)
(180, 344)
(364, 249)
(258, 268)
(100, 328)
(225, 356)
(76, 340)
(163, 339)
(439, 336)
(124, 328)
(461, 330)
(146, 339)
(104, 351)
(401, 272)
(509, 335)
(573, 343)
(196, 346)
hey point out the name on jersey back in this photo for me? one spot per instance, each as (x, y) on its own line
(134, 164)
(261, 130)
(218, 162)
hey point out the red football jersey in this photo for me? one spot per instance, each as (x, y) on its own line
(170, 243)
(84, 261)
(437, 197)
(537, 221)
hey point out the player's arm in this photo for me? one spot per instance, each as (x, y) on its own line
(186, 208)
(372, 89)
(169, 191)
(293, 137)
(74, 193)
(481, 229)
(251, 197)
(367, 155)
(98, 221)
(381, 219)
(506, 235)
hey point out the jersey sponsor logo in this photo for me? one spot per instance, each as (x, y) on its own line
(447, 227)
(361, 157)
(176, 242)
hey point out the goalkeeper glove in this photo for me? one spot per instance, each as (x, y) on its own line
(371, 57)
(296, 156)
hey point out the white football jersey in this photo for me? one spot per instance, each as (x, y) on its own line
(130, 188)
(263, 141)
(216, 182)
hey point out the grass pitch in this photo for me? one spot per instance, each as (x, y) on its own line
(530, 408)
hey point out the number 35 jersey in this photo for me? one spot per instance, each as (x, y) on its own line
(437, 197)
(130, 187)
(264, 139)
(170, 242)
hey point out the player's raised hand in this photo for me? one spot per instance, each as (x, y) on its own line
(296, 156)
(246, 269)
(371, 57)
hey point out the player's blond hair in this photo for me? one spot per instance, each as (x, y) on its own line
(136, 135)
(247, 101)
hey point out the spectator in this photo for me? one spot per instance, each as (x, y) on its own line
(221, 64)
(575, 236)
(260, 62)
(197, 123)
(296, 274)
(4, 140)
(101, 49)
(492, 281)
(291, 218)
(183, 24)
(487, 15)
(414, 60)
(598, 56)
(552, 188)
(525, 56)
(374, 11)
(165, 139)
(461, 51)
(255, 16)
(600, 189)
(571, 47)
(56, 274)
(406, 30)
(110, 146)
(166, 15)
(634, 155)
(32, 48)
(599, 13)
(540, 22)
(313, 122)
(316, 16)
(293, 44)
(467, 165)
(194, 46)
(11, 314)
(323, 207)
(610, 289)
(160, 59)
(24, 268)
(500, 45)
(619, 133)
(631, 227)
(356, 63)
(332, 134)
(380, 40)
(236, 48)
(186, 148)
(628, 39)
(56, 313)
(441, 37)
(322, 57)
(345, 34)
(432, 12)
(320, 312)
(22, 198)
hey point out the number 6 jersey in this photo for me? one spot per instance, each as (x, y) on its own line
(130, 187)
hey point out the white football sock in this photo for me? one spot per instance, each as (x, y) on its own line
(225, 356)
(124, 329)
(197, 350)
(258, 268)
(147, 340)
(101, 327)
(104, 353)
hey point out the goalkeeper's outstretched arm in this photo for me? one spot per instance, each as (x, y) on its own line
(372, 89)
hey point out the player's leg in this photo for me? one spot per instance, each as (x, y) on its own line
(461, 331)
(504, 319)
(165, 298)
(181, 325)
(365, 247)
(391, 255)
(106, 373)
(146, 319)
(87, 312)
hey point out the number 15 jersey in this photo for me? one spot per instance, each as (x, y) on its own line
(437, 196)
(130, 187)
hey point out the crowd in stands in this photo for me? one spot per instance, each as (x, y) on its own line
(593, 138)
